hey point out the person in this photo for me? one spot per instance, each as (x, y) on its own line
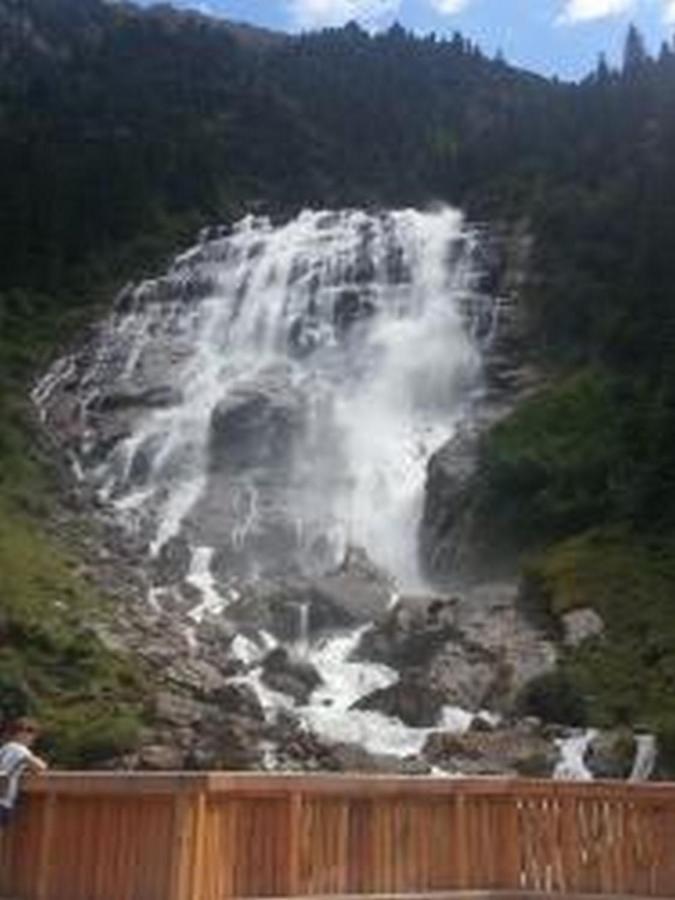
(16, 757)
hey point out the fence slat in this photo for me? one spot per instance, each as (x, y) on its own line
(227, 836)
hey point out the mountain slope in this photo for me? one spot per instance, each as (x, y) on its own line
(122, 130)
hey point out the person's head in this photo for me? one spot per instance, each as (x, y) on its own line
(24, 731)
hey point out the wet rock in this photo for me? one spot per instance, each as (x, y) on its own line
(256, 424)
(501, 752)
(475, 649)
(230, 743)
(484, 722)
(158, 397)
(411, 700)
(345, 598)
(239, 700)
(289, 675)
(173, 561)
(287, 607)
(351, 306)
(298, 749)
(611, 754)
(464, 674)
(456, 540)
(408, 636)
(449, 494)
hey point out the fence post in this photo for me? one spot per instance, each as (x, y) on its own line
(199, 846)
(187, 840)
(44, 860)
(463, 848)
(295, 812)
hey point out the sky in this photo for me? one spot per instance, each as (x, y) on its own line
(554, 37)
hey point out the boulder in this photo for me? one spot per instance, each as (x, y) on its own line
(178, 709)
(286, 606)
(505, 751)
(611, 754)
(173, 561)
(350, 306)
(466, 675)
(237, 700)
(410, 699)
(156, 397)
(287, 675)
(161, 758)
(256, 423)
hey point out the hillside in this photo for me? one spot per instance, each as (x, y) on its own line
(122, 131)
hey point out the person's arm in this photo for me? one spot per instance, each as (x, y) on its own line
(36, 764)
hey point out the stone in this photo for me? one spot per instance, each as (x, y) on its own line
(256, 423)
(351, 306)
(161, 758)
(476, 649)
(288, 675)
(173, 561)
(410, 699)
(238, 699)
(503, 751)
(581, 625)
(177, 709)
(611, 754)
(155, 397)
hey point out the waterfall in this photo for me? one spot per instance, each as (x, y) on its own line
(262, 416)
(571, 765)
(646, 752)
(275, 398)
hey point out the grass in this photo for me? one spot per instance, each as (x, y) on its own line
(627, 675)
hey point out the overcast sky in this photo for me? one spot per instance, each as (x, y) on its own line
(552, 36)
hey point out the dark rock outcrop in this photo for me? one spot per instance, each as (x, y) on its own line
(256, 424)
(611, 754)
(520, 750)
(411, 700)
(456, 544)
(288, 675)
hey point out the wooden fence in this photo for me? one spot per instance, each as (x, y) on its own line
(218, 836)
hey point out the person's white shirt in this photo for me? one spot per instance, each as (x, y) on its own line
(15, 758)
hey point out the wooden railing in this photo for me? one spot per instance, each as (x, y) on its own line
(218, 836)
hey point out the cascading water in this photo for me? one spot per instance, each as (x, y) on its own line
(273, 401)
(292, 383)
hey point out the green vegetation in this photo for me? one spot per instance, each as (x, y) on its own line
(627, 675)
(579, 481)
(51, 662)
(122, 131)
(52, 665)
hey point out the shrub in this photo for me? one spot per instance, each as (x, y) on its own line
(553, 698)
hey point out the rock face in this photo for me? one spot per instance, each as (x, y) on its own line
(520, 750)
(352, 595)
(286, 675)
(454, 545)
(239, 434)
(256, 423)
(473, 650)
(411, 700)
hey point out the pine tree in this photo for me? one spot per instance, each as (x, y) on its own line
(635, 54)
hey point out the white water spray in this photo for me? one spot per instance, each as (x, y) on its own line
(279, 393)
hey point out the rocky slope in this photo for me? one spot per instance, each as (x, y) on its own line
(326, 666)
